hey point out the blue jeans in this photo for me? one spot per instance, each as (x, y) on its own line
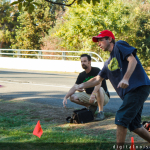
(129, 114)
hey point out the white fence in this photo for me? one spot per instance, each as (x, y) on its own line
(45, 64)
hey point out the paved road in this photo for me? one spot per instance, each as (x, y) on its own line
(48, 88)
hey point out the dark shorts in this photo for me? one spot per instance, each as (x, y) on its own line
(129, 114)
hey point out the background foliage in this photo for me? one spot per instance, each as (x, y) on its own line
(72, 28)
(8, 22)
(128, 20)
(33, 27)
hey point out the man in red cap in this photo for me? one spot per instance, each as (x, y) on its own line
(130, 81)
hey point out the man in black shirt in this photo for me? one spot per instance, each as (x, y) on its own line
(90, 98)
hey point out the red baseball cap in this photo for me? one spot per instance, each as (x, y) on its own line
(103, 34)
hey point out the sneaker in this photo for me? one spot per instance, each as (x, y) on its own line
(100, 116)
(93, 109)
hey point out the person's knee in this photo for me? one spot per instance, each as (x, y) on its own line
(121, 126)
(100, 92)
(139, 129)
(73, 98)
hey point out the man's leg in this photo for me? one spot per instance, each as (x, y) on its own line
(121, 135)
(82, 98)
(129, 114)
(100, 99)
(100, 102)
(143, 133)
(75, 99)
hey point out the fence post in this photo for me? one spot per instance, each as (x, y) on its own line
(90, 54)
(18, 52)
(63, 55)
(40, 54)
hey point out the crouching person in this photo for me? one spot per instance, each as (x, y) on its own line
(91, 98)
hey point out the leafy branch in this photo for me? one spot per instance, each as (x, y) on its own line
(61, 3)
(29, 5)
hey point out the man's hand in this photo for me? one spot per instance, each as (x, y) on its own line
(65, 101)
(79, 87)
(80, 90)
(92, 98)
(123, 84)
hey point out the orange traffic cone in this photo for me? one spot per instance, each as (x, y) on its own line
(132, 144)
(38, 130)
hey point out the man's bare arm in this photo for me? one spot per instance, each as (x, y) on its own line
(94, 93)
(70, 92)
(124, 83)
(91, 83)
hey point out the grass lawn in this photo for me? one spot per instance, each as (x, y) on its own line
(18, 120)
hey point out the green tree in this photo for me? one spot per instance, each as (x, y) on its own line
(129, 21)
(84, 21)
(143, 39)
(35, 26)
(8, 22)
(31, 4)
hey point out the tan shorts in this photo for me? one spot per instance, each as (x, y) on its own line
(84, 97)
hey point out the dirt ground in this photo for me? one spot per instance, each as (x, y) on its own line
(57, 115)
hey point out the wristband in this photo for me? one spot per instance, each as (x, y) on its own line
(94, 94)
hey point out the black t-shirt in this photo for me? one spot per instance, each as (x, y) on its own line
(83, 77)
